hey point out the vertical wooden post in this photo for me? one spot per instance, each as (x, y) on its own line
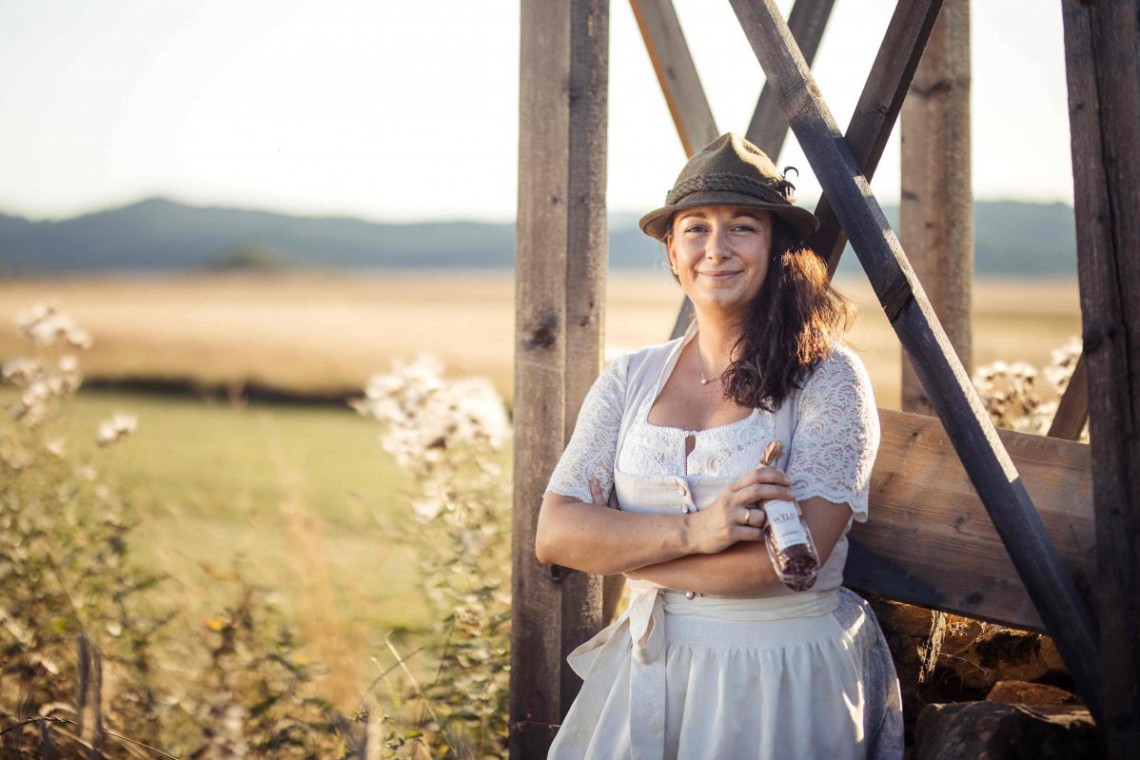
(936, 226)
(1103, 71)
(936, 229)
(559, 296)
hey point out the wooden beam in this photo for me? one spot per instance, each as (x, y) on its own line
(1103, 72)
(878, 108)
(936, 212)
(661, 30)
(1051, 587)
(929, 540)
(769, 127)
(560, 279)
(1073, 409)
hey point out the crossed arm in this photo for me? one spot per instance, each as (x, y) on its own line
(711, 551)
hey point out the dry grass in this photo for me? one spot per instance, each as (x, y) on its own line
(321, 333)
(299, 491)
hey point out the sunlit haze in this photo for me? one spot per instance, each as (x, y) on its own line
(408, 110)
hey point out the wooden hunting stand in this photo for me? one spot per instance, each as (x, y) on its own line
(1031, 531)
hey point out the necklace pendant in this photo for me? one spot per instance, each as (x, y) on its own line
(704, 380)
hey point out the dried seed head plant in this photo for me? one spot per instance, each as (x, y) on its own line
(449, 435)
(146, 681)
(1012, 392)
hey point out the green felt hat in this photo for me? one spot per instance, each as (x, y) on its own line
(730, 171)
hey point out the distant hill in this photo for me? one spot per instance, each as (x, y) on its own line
(1026, 239)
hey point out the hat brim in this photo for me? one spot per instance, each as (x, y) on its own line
(656, 223)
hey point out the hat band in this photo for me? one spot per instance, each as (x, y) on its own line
(736, 183)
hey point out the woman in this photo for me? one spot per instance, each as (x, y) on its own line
(715, 657)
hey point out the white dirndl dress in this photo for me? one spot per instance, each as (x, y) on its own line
(680, 675)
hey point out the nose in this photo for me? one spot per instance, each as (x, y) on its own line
(717, 248)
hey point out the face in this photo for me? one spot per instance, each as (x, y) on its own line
(721, 255)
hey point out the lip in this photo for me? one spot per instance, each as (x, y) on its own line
(719, 275)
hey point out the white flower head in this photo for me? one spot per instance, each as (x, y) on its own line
(118, 427)
(20, 372)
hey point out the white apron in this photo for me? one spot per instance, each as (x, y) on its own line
(686, 676)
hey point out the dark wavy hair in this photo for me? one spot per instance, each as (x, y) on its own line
(790, 325)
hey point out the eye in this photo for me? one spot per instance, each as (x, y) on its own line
(696, 227)
(742, 227)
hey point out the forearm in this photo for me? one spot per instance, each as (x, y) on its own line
(597, 539)
(745, 569)
(742, 570)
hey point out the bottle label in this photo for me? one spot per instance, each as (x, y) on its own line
(787, 529)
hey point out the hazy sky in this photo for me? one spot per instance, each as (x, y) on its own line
(406, 110)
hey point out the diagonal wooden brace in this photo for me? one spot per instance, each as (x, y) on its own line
(991, 470)
(878, 109)
(769, 127)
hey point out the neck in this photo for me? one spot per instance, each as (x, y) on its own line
(715, 341)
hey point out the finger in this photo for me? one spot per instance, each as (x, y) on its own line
(747, 533)
(768, 475)
(762, 492)
(756, 518)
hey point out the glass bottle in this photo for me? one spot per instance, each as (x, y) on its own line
(787, 537)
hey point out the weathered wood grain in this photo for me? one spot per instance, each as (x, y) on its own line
(661, 30)
(1073, 410)
(769, 127)
(585, 282)
(1103, 72)
(1049, 584)
(936, 211)
(559, 272)
(930, 541)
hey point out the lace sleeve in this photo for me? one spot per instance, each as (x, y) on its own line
(837, 434)
(593, 445)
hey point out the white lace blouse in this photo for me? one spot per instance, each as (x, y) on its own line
(834, 441)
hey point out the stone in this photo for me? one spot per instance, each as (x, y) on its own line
(995, 731)
(913, 635)
(981, 654)
(1024, 692)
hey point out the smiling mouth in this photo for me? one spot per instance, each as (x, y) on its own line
(718, 275)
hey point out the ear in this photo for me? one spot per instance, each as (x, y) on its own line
(669, 249)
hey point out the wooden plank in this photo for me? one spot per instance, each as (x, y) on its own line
(929, 540)
(769, 127)
(676, 73)
(878, 108)
(1049, 584)
(585, 282)
(936, 213)
(1073, 410)
(1103, 72)
(561, 145)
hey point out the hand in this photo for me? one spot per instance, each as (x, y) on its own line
(736, 514)
(596, 492)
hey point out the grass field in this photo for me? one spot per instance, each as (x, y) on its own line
(302, 497)
(322, 333)
(302, 493)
